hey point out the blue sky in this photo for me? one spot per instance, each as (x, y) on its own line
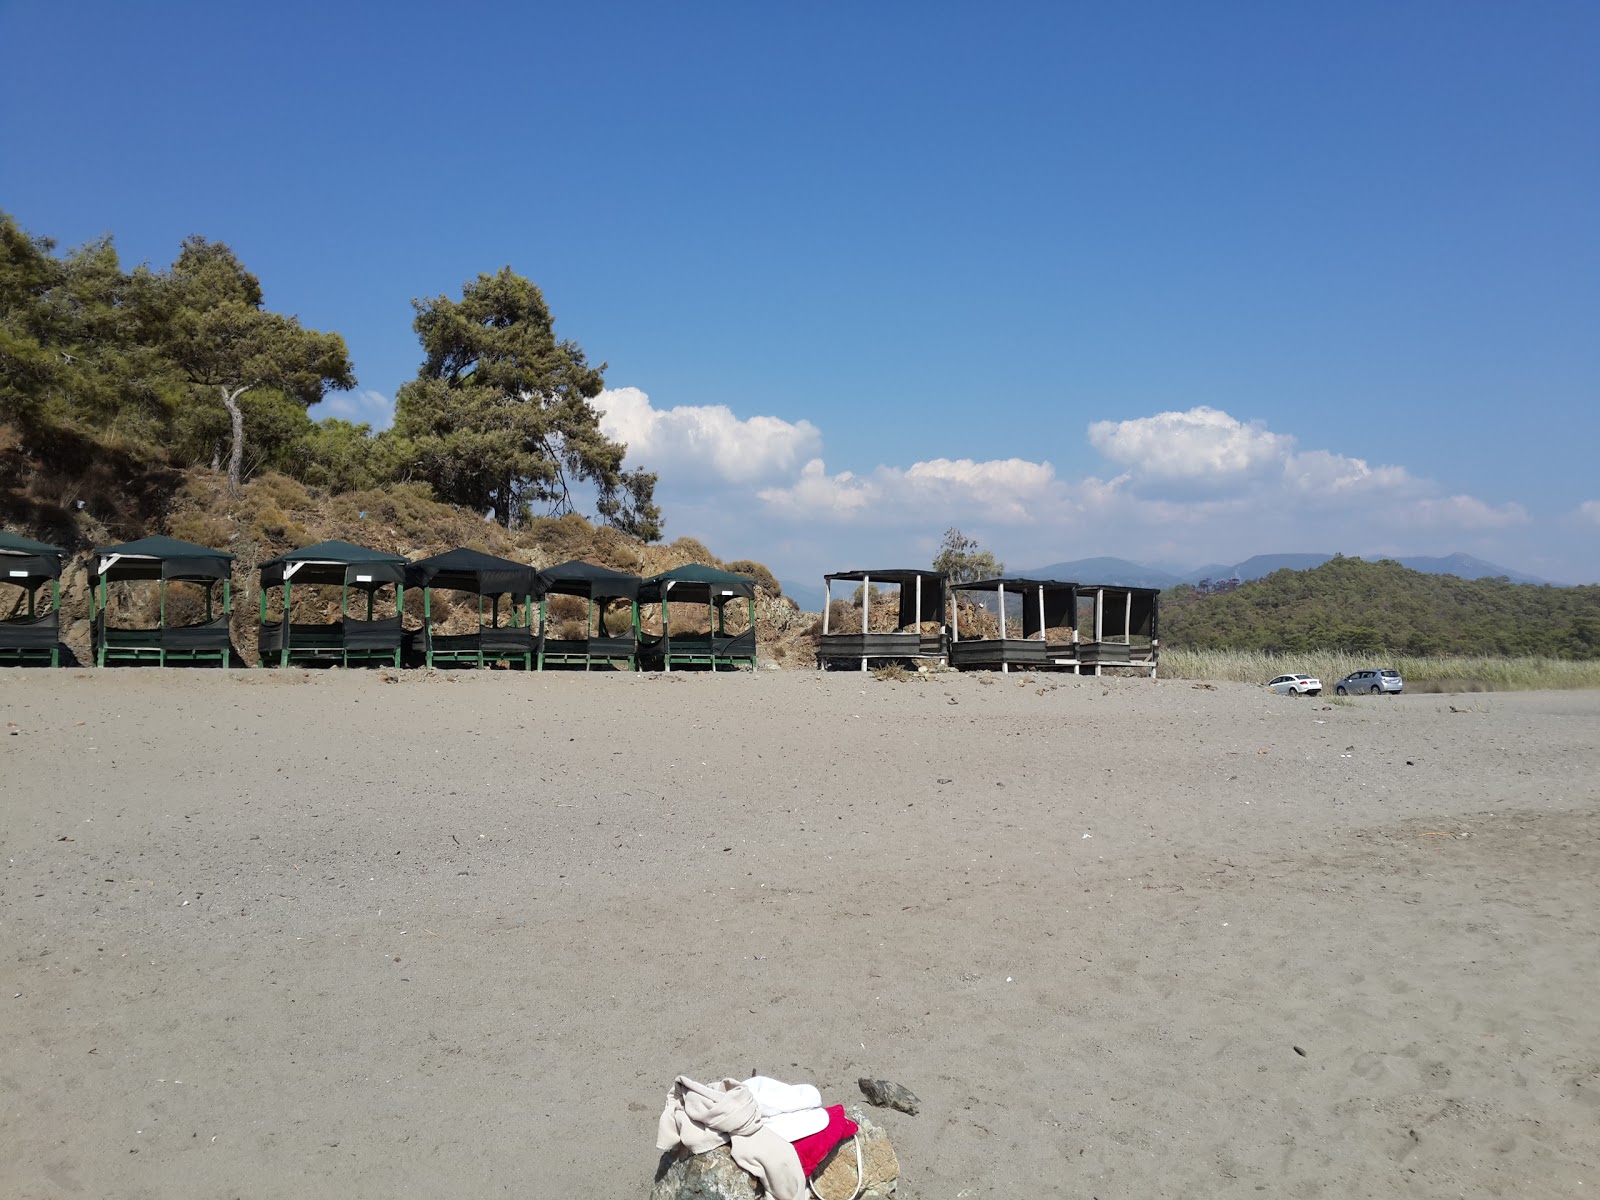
(1177, 282)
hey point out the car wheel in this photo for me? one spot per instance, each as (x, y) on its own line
(1375, 689)
(1339, 691)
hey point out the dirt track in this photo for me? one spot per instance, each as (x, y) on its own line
(315, 934)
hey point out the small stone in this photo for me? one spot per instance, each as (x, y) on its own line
(886, 1094)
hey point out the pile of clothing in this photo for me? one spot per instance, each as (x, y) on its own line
(779, 1132)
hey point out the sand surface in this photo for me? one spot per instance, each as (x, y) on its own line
(317, 934)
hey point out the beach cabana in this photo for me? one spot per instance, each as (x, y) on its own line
(693, 585)
(488, 578)
(1125, 628)
(921, 601)
(1046, 618)
(353, 637)
(29, 632)
(166, 561)
(602, 644)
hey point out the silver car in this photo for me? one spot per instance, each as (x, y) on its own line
(1296, 685)
(1379, 679)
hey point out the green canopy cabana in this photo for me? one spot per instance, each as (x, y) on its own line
(166, 560)
(598, 586)
(716, 589)
(352, 638)
(33, 635)
(482, 575)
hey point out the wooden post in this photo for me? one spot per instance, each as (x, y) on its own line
(288, 624)
(1043, 636)
(427, 626)
(1127, 620)
(827, 603)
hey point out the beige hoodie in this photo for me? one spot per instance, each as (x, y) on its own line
(701, 1118)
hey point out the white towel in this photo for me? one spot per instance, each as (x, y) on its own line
(802, 1123)
(774, 1096)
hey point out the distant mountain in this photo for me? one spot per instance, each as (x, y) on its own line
(1465, 566)
(1262, 565)
(807, 595)
(1117, 571)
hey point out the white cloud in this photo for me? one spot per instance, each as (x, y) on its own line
(1201, 444)
(1589, 511)
(1009, 490)
(364, 407)
(1467, 513)
(704, 437)
(1201, 477)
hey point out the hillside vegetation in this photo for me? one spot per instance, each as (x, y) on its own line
(1368, 608)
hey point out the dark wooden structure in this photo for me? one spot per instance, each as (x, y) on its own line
(716, 646)
(166, 560)
(30, 633)
(352, 638)
(923, 598)
(485, 576)
(1046, 604)
(601, 645)
(1124, 631)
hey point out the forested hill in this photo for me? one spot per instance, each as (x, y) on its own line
(1372, 607)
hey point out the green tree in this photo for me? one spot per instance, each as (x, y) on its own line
(499, 416)
(207, 315)
(964, 560)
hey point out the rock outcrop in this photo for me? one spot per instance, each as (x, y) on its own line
(715, 1176)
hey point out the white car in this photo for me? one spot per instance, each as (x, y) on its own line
(1296, 685)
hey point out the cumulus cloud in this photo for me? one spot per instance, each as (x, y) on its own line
(705, 437)
(1201, 444)
(364, 407)
(1218, 479)
(1008, 490)
(1468, 513)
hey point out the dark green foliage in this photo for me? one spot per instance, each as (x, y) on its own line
(499, 416)
(1362, 607)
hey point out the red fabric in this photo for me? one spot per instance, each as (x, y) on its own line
(812, 1150)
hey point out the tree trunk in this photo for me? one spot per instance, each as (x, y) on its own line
(230, 401)
(216, 456)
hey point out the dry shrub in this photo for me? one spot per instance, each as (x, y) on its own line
(765, 579)
(892, 673)
(560, 538)
(566, 608)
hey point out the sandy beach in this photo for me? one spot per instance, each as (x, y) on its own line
(330, 934)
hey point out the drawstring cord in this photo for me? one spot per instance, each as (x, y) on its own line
(812, 1184)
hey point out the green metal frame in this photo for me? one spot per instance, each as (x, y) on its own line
(24, 653)
(629, 662)
(320, 651)
(477, 657)
(131, 651)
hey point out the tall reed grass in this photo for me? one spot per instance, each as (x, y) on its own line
(1440, 674)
